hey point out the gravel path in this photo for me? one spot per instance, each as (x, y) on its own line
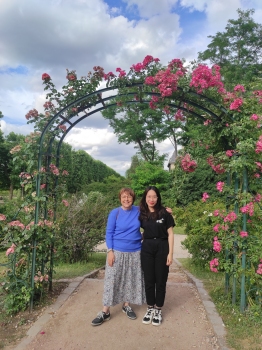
(187, 319)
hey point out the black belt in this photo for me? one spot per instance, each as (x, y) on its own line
(163, 239)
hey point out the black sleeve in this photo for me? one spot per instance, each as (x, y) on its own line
(170, 222)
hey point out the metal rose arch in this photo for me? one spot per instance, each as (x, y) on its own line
(231, 124)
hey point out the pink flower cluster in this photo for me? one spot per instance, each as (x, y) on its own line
(259, 145)
(40, 278)
(248, 209)
(25, 176)
(254, 117)
(65, 173)
(258, 197)
(62, 127)
(230, 217)
(205, 196)
(230, 153)
(16, 223)
(166, 80)
(208, 121)
(54, 169)
(48, 105)
(66, 204)
(146, 61)
(239, 88)
(179, 116)
(33, 113)
(109, 76)
(259, 270)
(152, 103)
(220, 185)
(2, 217)
(217, 247)
(258, 95)
(10, 250)
(216, 227)
(236, 104)
(204, 77)
(122, 73)
(187, 164)
(15, 149)
(42, 186)
(213, 265)
(218, 168)
(45, 223)
(243, 234)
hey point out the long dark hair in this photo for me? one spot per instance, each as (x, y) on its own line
(158, 208)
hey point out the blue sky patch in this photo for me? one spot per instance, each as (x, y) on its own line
(131, 13)
(190, 21)
(22, 70)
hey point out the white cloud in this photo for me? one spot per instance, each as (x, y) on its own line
(49, 36)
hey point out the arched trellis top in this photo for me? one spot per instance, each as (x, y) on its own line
(186, 97)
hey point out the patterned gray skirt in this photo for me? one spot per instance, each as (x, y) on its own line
(124, 281)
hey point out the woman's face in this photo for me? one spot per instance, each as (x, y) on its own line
(151, 199)
(126, 201)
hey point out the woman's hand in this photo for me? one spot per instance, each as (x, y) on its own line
(110, 258)
(169, 259)
(169, 210)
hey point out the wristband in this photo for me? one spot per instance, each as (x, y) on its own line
(109, 250)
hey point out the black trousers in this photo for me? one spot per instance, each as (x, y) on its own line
(154, 254)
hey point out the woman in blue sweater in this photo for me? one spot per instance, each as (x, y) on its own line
(124, 282)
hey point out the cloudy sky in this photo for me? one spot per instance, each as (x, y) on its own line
(38, 36)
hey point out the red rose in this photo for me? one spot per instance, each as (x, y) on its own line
(71, 76)
(46, 76)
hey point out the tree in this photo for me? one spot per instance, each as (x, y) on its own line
(144, 126)
(237, 50)
(147, 174)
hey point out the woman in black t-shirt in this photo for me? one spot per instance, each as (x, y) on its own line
(156, 252)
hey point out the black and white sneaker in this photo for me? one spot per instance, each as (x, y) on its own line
(100, 318)
(157, 319)
(147, 319)
(129, 312)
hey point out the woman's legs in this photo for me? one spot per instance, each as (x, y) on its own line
(161, 272)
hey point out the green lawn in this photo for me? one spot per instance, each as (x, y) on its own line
(63, 270)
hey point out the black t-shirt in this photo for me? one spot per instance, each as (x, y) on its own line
(157, 228)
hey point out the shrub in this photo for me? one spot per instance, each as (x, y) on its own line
(82, 226)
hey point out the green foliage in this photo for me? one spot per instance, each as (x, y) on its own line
(188, 188)
(82, 226)
(148, 174)
(109, 189)
(17, 299)
(86, 170)
(237, 50)
(198, 220)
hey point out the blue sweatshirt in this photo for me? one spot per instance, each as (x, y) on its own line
(123, 230)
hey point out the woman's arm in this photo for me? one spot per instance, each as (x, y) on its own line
(171, 246)
(110, 231)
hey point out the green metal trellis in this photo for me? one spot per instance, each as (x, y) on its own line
(203, 104)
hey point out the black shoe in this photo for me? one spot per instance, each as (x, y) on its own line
(157, 319)
(129, 312)
(147, 319)
(100, 318)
